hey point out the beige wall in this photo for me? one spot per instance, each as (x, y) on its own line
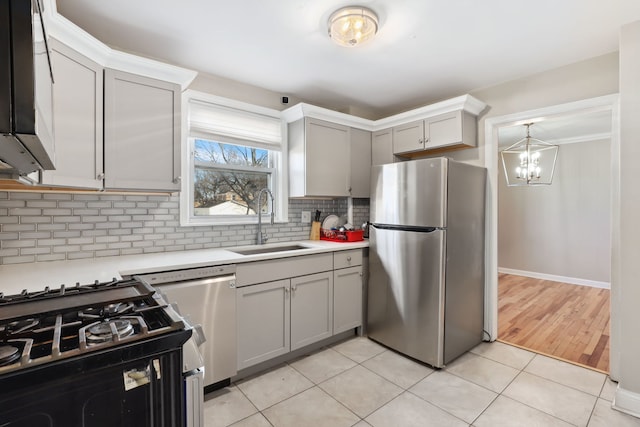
(582, 80)
(232, 89)
(563, 229)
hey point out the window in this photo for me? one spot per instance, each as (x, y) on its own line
(232, 151)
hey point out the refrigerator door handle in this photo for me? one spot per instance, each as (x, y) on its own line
(406, 228)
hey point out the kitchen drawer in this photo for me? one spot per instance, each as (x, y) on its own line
(251, 273)
(344, 259)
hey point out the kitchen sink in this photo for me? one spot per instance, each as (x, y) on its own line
(269, 249)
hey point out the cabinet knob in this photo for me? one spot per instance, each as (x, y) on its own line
(349, 258)
(420, 141)
(100, 176)
(177, 180)
(426, 140)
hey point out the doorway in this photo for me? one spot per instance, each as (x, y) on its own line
(546, 228)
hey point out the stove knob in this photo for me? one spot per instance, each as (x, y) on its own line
(198, 335)
(175, 308)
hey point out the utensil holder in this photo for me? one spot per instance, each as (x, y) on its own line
(315, 231)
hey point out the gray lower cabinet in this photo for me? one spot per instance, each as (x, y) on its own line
(263, 322)
(347, 290)
(277, 317)
(77, 105)
(347, 299)
(311, 309)
(141, 133)
(306, 299)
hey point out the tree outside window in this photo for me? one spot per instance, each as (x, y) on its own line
(228, 178)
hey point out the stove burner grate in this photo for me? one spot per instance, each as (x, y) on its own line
(110, 310)
(8, 354)
(23, 325)
(106, 331)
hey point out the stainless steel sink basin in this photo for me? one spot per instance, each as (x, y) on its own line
(268, 249)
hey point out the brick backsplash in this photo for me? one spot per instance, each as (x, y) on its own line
(37, 227)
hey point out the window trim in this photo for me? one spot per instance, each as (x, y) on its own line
(279, 174)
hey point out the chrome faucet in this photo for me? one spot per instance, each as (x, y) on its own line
(262, 237)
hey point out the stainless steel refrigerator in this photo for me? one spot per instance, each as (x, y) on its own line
(426, 278)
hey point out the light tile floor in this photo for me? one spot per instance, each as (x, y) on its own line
(360, 383)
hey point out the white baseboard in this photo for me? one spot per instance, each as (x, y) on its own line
(627, 401)
(563, 279)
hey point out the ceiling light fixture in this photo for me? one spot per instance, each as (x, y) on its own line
(529, 161)
(352, 25)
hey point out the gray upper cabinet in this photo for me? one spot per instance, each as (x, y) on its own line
(382, 147)
(409, 137)
(329, 150)
(455, 128)
(319, 161)
(78, 101)
(141, 133)
(360, 163)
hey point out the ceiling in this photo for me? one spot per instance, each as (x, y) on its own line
(425, 51)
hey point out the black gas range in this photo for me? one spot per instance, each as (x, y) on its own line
(104, 354)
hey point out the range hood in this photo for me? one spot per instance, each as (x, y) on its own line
(26, 91)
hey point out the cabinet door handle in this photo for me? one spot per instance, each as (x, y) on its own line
(177, 180)
(286, 291)
(100, 176)
(349, 258)
(294, 288)
(420, 141)
(426, 140)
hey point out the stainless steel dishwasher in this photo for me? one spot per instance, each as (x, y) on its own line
(207, 297)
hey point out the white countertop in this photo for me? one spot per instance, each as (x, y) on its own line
(35, 276)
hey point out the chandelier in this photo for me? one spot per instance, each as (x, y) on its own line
(529, 161)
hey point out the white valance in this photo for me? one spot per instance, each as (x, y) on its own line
(209, 120)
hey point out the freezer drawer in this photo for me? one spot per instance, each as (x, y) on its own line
(406, 292)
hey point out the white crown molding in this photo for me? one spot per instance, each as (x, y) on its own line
(465, 102)
(150, 68)
(582, 138)
(302, 110)
(75, 37)
(569, 140)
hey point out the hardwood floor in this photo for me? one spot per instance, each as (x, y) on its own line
(569, 322)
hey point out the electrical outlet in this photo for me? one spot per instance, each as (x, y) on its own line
(306, 217)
